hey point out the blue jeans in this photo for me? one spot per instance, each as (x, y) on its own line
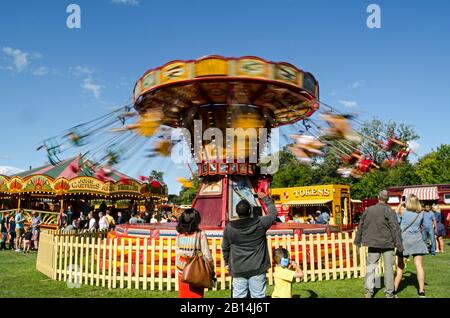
(256, 285)
(3, 243)
(429, 232)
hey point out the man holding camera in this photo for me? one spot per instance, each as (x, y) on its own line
(245, 251)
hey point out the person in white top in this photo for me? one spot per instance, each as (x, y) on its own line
(103, 223)
(154, 219)
(92, 222)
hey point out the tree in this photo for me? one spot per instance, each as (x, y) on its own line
(291, 173)
(434, 168)
(377, 130)
(372, 183)
(187, 195)
(157, 175)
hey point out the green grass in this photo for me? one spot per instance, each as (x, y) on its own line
(19, 278)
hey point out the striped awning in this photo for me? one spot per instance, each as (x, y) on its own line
(423, 193)
(309, 202)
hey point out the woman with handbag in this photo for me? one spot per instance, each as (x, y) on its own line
(411, 219)
(194, 263)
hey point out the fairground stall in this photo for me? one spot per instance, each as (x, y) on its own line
(305, 201)
(49, 188)
(432, 194)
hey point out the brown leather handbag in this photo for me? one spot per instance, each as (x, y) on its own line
(198, 272)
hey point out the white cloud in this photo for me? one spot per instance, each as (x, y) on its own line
(6, 170)
(91, 87)
(41, 71)
(357, 84)
(348, 103)
(19, 58)
(126, 2)
(80, 70)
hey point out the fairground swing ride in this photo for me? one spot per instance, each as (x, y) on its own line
(212, 100)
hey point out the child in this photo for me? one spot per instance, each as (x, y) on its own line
(27, 240)
(284, 273)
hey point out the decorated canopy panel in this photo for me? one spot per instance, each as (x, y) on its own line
(62, 179)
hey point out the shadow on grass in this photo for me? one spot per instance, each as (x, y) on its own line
(312, 294)
(409, 279)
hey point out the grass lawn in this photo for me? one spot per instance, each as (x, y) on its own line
(19, 278)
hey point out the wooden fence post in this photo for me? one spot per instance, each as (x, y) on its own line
(137, 260)
(145, 262)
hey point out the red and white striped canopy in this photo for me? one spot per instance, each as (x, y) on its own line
(423, 193)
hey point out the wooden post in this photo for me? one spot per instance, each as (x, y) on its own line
(144, 268)
(137, 262)
(341, 256)
(297, 253)
(319, 255)
(304, 258)
(327, 261)
(312, 257)
(347, 253)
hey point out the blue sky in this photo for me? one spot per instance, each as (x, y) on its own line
(52, 77)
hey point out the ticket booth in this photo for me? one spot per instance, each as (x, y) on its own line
(305, 201)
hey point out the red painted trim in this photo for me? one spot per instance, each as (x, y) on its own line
(225, 79)
(224, 200)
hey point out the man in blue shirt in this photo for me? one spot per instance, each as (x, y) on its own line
(319, 217)
(325, 217)
(429, 227)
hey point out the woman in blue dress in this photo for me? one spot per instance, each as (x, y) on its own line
(440, 233)
(411, 219)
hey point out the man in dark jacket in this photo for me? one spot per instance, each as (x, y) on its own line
(245, 251)
(379, 230)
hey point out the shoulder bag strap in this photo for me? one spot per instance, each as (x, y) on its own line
(414, 221)
(197, 242)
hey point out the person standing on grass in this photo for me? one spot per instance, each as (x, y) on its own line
(244, 248)
(411, 220)
(27, 240)
(380, 232)
(440, 233)
(284, 273)
(190, 239)
(429, 228)
(20, 229)
(4, 231)
(35, 228)
(12, 232)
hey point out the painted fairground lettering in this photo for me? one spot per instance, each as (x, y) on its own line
(197, 308)
(74, 19)
(374, 19)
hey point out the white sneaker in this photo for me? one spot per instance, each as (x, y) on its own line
(18, 250)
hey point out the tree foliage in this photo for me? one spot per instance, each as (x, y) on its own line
(377, 130)
(433, 168)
